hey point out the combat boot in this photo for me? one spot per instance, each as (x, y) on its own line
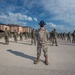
(4, 43)
(7, 43)
(37, 61)
(56, 45)
(35, 44)
(46, 60)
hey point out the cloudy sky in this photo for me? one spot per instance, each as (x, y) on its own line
(59, 14)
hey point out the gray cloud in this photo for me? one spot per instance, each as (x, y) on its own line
(60, 28)
(16, 18)
(62, 9)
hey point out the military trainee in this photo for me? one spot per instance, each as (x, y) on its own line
(6, 36)
(33, 37)
(73, 37)
(15, 36)
(25, 35)
(69, 37)
(54, 37)
(42, 39)
(21, 36)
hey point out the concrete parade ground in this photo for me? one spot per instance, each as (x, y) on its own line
(18, 59)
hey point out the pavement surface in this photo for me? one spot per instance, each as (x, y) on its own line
(18, 59)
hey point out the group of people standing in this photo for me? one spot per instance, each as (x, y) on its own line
(69, 37)
(52, 37)
(41, 37)
(7, 35)
(15, 35)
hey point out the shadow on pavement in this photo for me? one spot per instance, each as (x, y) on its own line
(23, 55)
(20, 43)
(70, 44)
(1, 43)
(12, 41)
(25, 43)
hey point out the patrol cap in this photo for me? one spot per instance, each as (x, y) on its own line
(54, 29)
(42, 23)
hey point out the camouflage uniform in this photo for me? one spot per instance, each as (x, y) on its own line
(42, 38)
(54, 38)
(42, 41)
(25, 35)
(64, 36)
(73, 37)
(33, 37)
(69, 37)
(61, 36)
(15, 36)
(21, 34)
(6, 36)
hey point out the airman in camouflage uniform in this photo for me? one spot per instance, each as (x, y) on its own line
(61, 36)
(54, 37)
(29, 35)
(42, 39)
(73, 37)
(6, 36)
(15, 36)
(25, 35)
(64, 36)
(21, 36)
(33, 37)
(51, 36)
(69, 37)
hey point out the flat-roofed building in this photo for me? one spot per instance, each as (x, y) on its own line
(20, 29)
(27, 29)
(3, 26)
(14, 27)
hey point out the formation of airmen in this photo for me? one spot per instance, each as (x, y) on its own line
(15, 35)
(53, 36)
(33, 37)
(6, 36)
(40, 37)
(69, 37)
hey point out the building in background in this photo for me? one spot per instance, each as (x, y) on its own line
(27, 29)
(18, 28)
(3, 26)
(13, 27)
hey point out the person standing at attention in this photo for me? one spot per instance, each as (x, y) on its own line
(42, 42)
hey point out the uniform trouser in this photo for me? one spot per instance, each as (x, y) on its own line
(68, 39)
(25, 37)
(21, 38)
(54, 40)
(64, 38)
(33, 40)
(43, 47)
(73, 40)
(6, 39)
(50, 39)
(15, 39)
